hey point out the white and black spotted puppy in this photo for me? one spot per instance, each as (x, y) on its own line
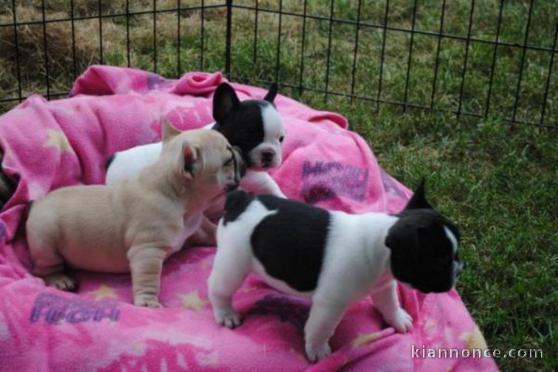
(333, 257)
(254, 126)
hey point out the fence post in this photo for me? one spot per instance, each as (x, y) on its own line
(228, 39)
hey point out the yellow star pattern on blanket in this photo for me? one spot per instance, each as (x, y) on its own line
(193, 301)
(57, 140)
(104, 291)
(139, 347)
(208, 360)
(474, 339)
(365, 338)
(429, 327)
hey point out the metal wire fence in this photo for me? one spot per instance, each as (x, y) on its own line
(424, 55)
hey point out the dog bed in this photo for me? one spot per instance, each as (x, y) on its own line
(66, 142)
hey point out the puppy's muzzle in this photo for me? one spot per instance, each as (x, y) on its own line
(267, 158)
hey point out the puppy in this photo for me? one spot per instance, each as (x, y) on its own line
(133, 225)
(254, 126)
(333, 257)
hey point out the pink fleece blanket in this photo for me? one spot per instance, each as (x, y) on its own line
(65, 142)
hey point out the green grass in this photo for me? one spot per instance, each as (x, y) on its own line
(498, 181)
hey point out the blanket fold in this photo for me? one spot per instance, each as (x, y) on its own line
(66, 142)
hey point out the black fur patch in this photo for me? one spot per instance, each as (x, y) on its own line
(236, 203)
(290, 243)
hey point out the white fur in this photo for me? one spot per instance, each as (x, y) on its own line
(451, 238)
(456, 266)
(260, 183)
(356, 263)
(273, 131)
(128, 164)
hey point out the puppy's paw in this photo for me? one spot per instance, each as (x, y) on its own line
(400, 320)
(147, 301)
(317, 353)
(228, 318)
(61, 281)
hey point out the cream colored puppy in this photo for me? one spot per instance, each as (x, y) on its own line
(132, 226)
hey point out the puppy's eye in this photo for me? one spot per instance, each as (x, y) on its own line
(281, 139)
(229, 162)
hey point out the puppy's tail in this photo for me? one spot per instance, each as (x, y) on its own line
(236, 203)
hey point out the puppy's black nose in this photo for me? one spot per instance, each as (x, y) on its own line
(267, 157)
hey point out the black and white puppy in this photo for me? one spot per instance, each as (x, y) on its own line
(254, 126)
(333, 257)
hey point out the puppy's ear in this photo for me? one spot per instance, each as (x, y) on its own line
(236, 203)
(224, 101)
(270, 96)
(169, 132)
(190, 156)
(418, 200)
(237, 199)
